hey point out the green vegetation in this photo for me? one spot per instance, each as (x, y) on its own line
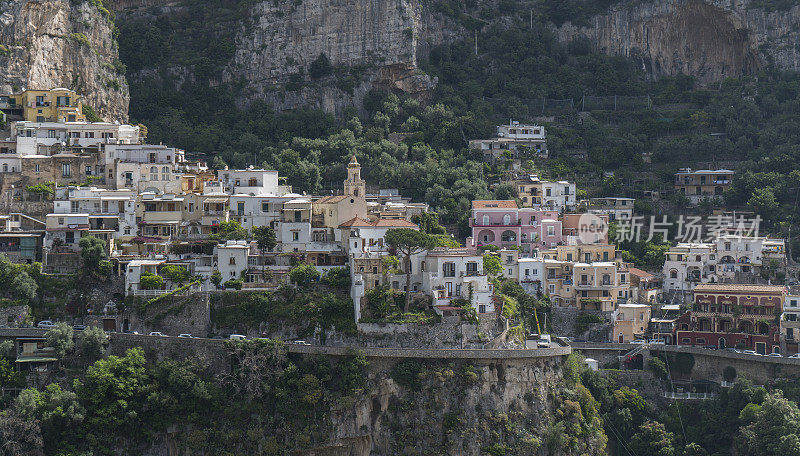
(304, 274)
(79, 38)
(91, 114)
(230, 231)
(408, 242)
(4, 50)
(61, 339)
(585, 320)
(265, 236)
(150, 281)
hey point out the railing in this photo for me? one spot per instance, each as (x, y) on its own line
(673, 395)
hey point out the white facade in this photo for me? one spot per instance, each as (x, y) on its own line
(252, 182)
(232, 259)
(34, 138)
(530, 272)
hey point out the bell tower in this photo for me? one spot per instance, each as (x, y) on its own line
(354, 185)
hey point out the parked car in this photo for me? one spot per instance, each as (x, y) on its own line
(544, 341)
(658, 342)
(775, 355)
(185, 336)
(300, 342)
(45, 324)
(237, 337)
(639, 341)
(156, 333)
(710, 347)
(78, 327)
(795, 356)
(750, 352)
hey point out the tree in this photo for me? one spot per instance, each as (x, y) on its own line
(265, 236)
(60, 338)
(218, 163)
(93, 250)
(729, 373)
(216, 278)
(763, 202)
(230, 231)
(652, 439)
(320, 67)
(429, 223)
(694, 449)
(19, 436)
(492, 265)
(92, 342)
(408, 242)
(304, 274)
(175, 273)
(776, 429)
(23, 286)
(150, 281)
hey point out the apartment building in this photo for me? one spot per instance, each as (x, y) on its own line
(503, 224)
(631, 322)
(688, 264)
(513, 141)
(557, 196)
(790, 323)
(53, 105)
(698, 185)
(615, 208)
(734, 315)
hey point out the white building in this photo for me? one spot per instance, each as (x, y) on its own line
(232, 259)
(616, 208)
(513, 138)
(39, 138)
(252, 182)
(530, 272)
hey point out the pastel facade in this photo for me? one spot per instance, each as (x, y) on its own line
(503, 224)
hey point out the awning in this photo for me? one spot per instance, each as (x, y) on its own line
(34, 359)
(215, 200)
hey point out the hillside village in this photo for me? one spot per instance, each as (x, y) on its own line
(169, 223)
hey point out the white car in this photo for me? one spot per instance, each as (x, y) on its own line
(237, 337)
(658, 342)
(156, 333)
(185, 336)
(775, 355)
(795, 356)
(750, 352)
(45, 324)
(300, 342)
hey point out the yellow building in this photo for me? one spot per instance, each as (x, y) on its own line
(54, 105)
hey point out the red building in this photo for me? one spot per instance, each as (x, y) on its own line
(733, 315)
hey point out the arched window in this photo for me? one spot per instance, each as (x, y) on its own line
(673, 274)
(153, 169)
(5, 167)
(165, 169)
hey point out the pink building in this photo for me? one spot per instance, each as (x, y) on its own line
(503, 224)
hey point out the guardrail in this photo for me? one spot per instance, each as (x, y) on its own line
(673, 395)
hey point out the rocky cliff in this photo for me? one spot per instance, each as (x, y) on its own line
(62, 43)
(274, 43)
(710, 39)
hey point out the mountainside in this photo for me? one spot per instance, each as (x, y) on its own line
(63, 43)
(264, 47)
(708, 39)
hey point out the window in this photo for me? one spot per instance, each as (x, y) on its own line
(51, 133)
(552, 289)
(36, 168)
(551, 231)
(673, 274)
(5, 167)
(485, 219)
(66, 170)
(569, 257)
(75, 134)
(165, 169)
(89, 134)
(700, 341)
(506, 219)
(264, 207)
(127, 230)
(449, 269)
(88, 170)
(295, 236)
(686, 341)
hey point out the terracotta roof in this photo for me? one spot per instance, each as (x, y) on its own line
(738, 288)
(381, 223)
(331, 199)
(503, 204)
(355, 221)
(399, 223)
(639, 273)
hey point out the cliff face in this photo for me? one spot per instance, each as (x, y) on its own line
(54, 43)
(709, 39)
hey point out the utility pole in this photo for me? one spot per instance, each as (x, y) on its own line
(476, 42)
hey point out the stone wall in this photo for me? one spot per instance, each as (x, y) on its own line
(14, 316)
(450, 333)
(173, 315)
(208, 353)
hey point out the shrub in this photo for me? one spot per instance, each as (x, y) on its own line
(4, 50)
(407, 373)
(659, 368)
(304, 274)
(234, 283)
(320, 67)
(729, 373)
(150, 281)
(79, 38)
(584, 321)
